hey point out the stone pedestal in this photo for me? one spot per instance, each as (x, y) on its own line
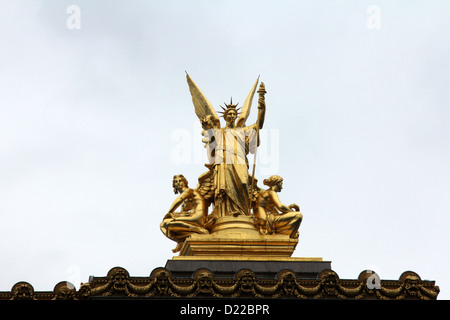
(220, 245)
(238, 237)
(235, 244)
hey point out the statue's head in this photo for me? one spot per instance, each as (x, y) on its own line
(230, 113)
(179, 182)
(274, 182)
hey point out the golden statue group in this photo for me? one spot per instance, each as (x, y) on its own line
(228, 189)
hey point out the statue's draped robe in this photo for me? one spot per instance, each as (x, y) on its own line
(228, 153)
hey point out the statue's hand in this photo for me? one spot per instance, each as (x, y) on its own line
(261, 103)
(294, 207)
(175, 215)
(261, 224)
(204, 122)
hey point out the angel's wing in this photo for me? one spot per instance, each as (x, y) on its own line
(206, 185)
(202, 106)
(246, 107)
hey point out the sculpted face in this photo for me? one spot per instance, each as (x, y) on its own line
(247, 281)
(412, 285)
(120, 280)
(279, 186)
(178, 183)
(231, 116)
(205, 282)
(162, 282)
(288, 283)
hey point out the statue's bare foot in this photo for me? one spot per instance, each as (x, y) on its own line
(199, 230)
(178, 247)
(203, 231)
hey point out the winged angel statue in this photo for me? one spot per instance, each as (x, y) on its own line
(228, 147)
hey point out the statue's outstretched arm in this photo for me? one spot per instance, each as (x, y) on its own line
(179, 200)
(262, 112)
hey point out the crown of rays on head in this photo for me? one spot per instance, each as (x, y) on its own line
(229, 107)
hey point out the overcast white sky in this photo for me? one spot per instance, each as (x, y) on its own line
(92, 121)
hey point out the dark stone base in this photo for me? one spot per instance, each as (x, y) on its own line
(262, 269)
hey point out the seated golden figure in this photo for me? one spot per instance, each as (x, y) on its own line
(274, 217)
(177, 226)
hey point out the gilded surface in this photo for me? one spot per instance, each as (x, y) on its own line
(228, 189)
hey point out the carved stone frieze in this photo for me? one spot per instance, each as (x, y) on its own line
(204, 284)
